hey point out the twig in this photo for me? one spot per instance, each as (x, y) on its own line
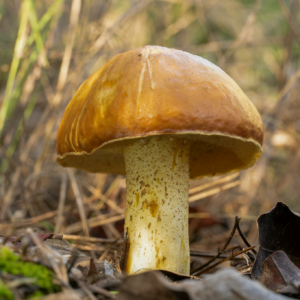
(93, 222)
(101, 291)
(223, 260)
(124, 252)
(28, 222)
(72, 260)
(244, 238)
(195, 271)
(11, 163)
(106, 34)
(243, 35)
(195, 253)
(61, 204)
(91, 239)
(62, 79)
(86, 290)
(105, 197)
(54, 260)
(79, 202)
(231, 249)
(104, 254)
(290, 20)
(211, 184)
(9, 194)
(214, 191)
(88, 247)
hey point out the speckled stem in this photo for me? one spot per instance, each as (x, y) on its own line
(156, 222)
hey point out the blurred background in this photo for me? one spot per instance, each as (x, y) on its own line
(48, 48)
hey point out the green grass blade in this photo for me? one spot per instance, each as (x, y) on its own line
(2, 9)
(15, 62)
(12, 147)
(24, 71)
(52, 10)
(36, 32)
(51, 13)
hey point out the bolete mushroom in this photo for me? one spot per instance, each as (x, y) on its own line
(159, 116)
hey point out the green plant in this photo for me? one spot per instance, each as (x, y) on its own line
(5, 292)
(12, 263)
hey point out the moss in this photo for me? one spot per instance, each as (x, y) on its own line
(12, 264)
(36, 295)
(5, 292)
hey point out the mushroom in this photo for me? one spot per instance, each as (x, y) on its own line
(159, 116)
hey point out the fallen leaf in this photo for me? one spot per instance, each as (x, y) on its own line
(280, 274)
(224, 285)
(278, 229)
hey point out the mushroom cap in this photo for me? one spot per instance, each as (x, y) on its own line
(157, 91)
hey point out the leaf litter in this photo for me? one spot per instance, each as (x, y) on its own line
(47, 265)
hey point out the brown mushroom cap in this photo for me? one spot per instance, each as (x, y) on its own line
(155, 91)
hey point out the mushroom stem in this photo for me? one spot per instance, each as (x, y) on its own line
(156, 222)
